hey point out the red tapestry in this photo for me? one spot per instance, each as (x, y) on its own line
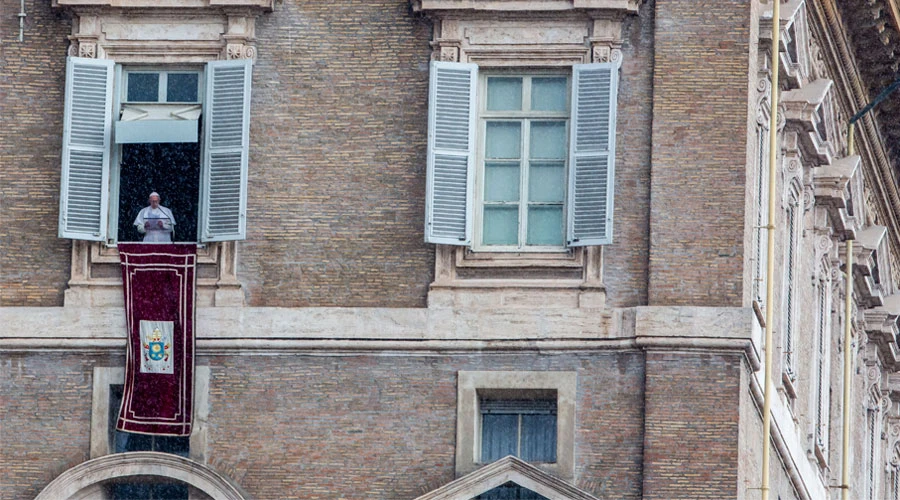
(159, 281)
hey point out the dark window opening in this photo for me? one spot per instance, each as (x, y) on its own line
(510, 491)
(145, 488)
(792, 44)
(525, 428)
(170, 169)
(876, 273)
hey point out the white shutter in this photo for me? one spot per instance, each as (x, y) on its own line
(226, 141)
(451, 153)
(592, 152)
(87, 125)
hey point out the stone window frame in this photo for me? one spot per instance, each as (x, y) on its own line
(469, 383)
(571, 34)
(128, 34)
(104, 377)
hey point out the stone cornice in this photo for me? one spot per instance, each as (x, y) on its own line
(853, 96)
(530, 6)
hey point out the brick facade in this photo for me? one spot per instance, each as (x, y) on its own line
(34, 263)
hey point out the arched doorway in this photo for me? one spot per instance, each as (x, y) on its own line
(87, 477)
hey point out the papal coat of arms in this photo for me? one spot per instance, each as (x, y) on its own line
(156, 346)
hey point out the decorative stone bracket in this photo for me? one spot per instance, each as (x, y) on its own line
(803, 112)
(831, 184)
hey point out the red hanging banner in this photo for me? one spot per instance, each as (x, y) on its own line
(158, 281)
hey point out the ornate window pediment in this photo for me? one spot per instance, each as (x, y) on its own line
(501, 472)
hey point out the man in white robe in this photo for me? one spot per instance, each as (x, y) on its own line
(155, 222)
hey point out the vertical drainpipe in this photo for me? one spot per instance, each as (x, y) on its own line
(848, 354)
(770, 261)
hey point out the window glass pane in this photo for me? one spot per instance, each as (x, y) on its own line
(502, 139)
(547, 182)
(504, 94)
(143, 87)
(501, 225)
(548, 140)
(545, 225)
(548, 94)
(501, 182)
(499, 436)
(538, 438)
(182, 87)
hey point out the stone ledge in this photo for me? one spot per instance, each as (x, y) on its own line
(284, 330)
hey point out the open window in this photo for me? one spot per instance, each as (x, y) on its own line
(130, 130)
(521, 161)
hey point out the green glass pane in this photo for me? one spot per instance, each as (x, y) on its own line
(501, 182)
(503, 140)
(545, 225)
(547, 182)
(549, 94)
(504, 94)
(143, 87)
(548, 140)
(182, 87)
(501, 225)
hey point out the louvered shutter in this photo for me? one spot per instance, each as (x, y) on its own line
(226, 140)
(87, 125)
(451, 153)
(592, 151)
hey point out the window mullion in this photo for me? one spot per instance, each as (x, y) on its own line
(523, 183)
(163, 86)
(519, 437)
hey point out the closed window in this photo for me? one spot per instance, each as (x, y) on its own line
(525, 428)
(521, 161)
(521, 177)
(130, 131)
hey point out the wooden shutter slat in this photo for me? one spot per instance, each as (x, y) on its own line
(592, 154)
(226, 150)
(451, 153)
(87, 126)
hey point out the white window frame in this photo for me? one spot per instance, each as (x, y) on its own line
(521, 116)
(163, 75)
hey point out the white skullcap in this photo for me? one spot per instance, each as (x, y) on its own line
(153, 194)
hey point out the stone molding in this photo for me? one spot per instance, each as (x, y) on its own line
(70, 483)
(502, 471)
(250, 330)
(470, 383)
(826, 25)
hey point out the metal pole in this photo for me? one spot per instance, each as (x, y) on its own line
(848, 353)
(770, 260)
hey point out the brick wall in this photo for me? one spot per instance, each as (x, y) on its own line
(692, 409)
(325, 427)
(700, 120)
(337, 182)
(34, 263)
(626, 261)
